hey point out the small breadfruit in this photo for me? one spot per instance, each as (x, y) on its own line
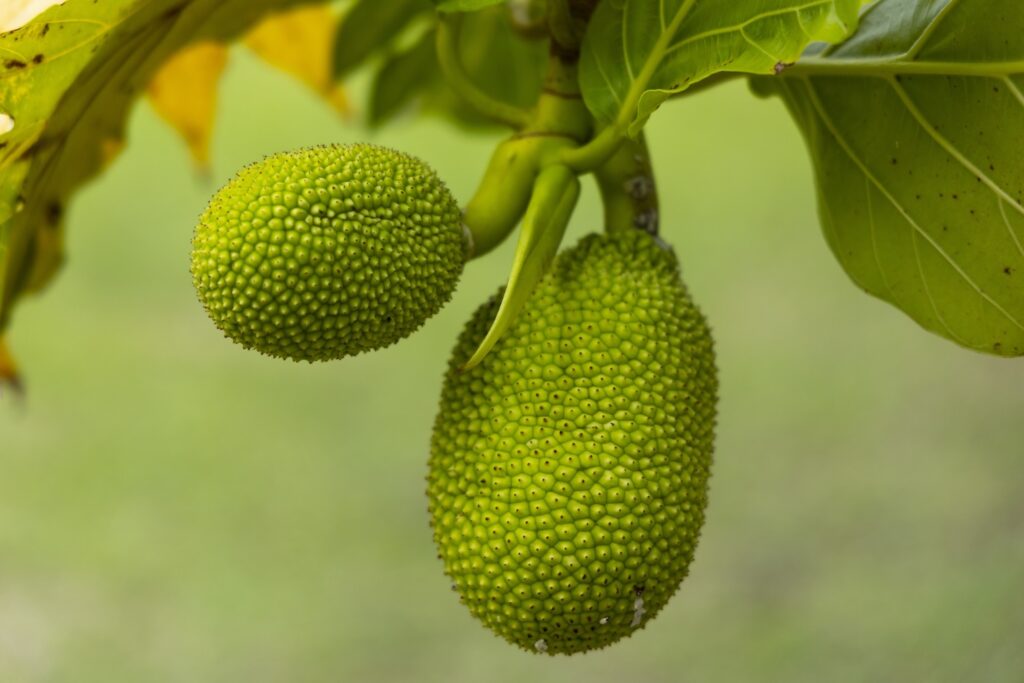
(568, 471)
(328, 251)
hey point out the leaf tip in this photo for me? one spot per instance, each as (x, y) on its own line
(10, 378)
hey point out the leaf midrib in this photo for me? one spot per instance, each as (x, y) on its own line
(870, 66)
(650, 65)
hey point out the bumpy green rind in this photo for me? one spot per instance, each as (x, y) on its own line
(328, 251)
(568, 472)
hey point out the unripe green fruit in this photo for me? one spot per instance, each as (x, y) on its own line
(568, 471)
(328, 251)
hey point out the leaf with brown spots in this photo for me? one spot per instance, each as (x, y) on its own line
(914, 126)
(69, 75)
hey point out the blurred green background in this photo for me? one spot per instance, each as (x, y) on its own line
(173, 508)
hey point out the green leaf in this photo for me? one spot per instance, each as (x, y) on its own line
(555, 193)
(67, 81)
(915, 128)
(638, 53)
(402, 77)
(463, 5)
(498, 60)
(369, 26)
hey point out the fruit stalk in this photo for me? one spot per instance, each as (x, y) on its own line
(559, 121)
(628, 190)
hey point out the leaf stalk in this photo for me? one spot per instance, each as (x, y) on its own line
(456, 76)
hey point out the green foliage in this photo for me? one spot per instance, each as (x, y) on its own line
(369, 25)
(328, 252)
(568, 471)
(497, 60)
(401, 76)
(637, 54)
(914, 127)
(463, 5)
(570, 457)
(946, 246)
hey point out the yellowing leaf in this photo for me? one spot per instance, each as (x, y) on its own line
(17, 13)
(184, 93)
(8, 369)
(68, 79)
(300, 42)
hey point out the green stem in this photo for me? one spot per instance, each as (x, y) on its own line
(595, 153)
(628, 190)
(456, 76)
(560, 108)
(601, 148)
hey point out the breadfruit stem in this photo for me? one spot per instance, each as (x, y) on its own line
(597, 152)
(560, 108)
(628, 190)
(456, 76)
(559, 121)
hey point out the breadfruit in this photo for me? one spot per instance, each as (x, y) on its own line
(327, 252)
(568, 471)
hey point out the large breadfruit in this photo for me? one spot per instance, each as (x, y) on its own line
(328, 251)
(568, 471)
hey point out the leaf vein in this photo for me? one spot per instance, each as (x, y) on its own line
(752, 43)
(947, 146)
(931, 297)
(608, 81)
(739, 27)
(1014, 89)
(830, 124)
(625, 42)
(929, 30)
(1009, 226)
(874, 240)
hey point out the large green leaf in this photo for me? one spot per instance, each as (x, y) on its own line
(67, 81)
(498, 60)
(916, 127)
(637, 53)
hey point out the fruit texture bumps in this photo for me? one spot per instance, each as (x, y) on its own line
(328, 251)
(568, 472)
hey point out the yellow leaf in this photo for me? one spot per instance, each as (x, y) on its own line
(9, 370)
(301, 43)
(184, 93)
(16, 13)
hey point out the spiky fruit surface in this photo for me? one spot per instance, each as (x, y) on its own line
(328, 251)
(568, 472)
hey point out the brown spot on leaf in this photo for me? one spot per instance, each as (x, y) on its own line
(53, 213)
